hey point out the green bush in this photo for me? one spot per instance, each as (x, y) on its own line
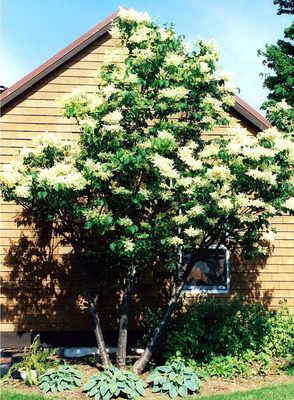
(59, 379)
(174, 380)
(280, 339)
(215, 327)
(115, 383)
(225, 367)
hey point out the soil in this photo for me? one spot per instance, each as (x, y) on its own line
(209, 387)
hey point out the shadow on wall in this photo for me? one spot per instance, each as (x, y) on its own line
(245, 279)
(42, 291)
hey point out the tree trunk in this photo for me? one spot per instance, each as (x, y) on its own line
(123, 323)
(141, 363)
(93, 312)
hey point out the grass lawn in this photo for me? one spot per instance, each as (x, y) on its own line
(11, 394)
(281, 392)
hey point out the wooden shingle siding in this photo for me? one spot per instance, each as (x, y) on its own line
(33, 298)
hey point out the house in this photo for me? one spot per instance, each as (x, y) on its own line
(40, 290)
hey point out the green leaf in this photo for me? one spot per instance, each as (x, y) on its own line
(93, 391)
(191, 385)
(173, 392)
(183, 392)
(103, 388)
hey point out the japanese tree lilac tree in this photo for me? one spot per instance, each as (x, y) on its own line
(141, 181)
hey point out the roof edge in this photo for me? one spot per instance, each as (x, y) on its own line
(251, 114)
(58, 59)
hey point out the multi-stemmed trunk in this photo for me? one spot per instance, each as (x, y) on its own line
(93, 311)
(124, 322)
(141, 363)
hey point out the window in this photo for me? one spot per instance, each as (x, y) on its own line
(210, 273)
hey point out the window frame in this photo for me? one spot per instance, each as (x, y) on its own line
(216, 289)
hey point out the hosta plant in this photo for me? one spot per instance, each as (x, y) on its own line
(174, 380)
(115, 383)
(59, 379)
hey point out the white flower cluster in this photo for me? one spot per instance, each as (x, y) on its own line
(98, 169)
(269, 236)
(141, 34)
(48, 140)
(115, 32)
(62, 174)
(166, 34)
(143, 54)
(264, 176)
(174, 59)
(271, 134)
(175, 241)
(225, 204)
(176, 93)
(129, 245)
(204, 67)
(131, 15)
(192, 232)
(109, 90)
(195, 211)
(165, 166)
(112, 121)
(126, 221)
(218, 173)
(165, 135)
(225, 76)
(13, 178)
(186, 155)
(289, 204)
(211, 149)
(88, 123)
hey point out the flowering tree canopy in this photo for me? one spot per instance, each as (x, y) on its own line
(141, 180)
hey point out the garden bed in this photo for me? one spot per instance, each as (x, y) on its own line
(208, 387)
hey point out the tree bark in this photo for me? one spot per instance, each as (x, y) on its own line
(93, 313)
(124, 322)
(141, 363)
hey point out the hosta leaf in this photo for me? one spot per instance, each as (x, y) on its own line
(88, 385)
(45, 387)
(156, 389)
(167, 385)
(172, 375)
(183, 391)
(113, 388)
(77, 381)
(103, 388)
(97, 396)
(173, 392)
(140, 389)
(93, 391)
(191, 385)
(164, 368)
(107, 396)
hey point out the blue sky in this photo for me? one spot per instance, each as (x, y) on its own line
(34, 30)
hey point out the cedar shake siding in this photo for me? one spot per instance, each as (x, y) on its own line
(41, 290)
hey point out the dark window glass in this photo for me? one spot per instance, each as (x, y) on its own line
(211, 271)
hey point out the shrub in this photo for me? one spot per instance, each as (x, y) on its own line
(280, 340)
(225, 367)
(214, 327)
(59, 379)
(114, 383)
(174, 380)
